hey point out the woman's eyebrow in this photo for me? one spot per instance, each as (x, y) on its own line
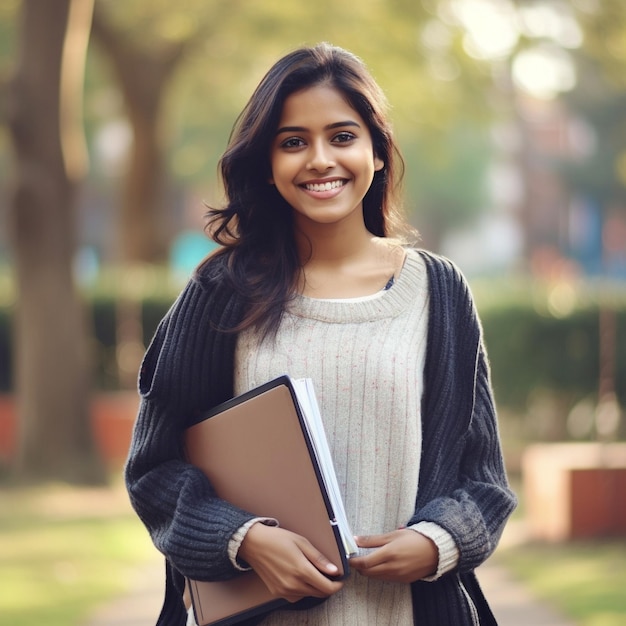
(302, 129)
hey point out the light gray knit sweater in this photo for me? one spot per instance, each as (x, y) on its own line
(366, 359)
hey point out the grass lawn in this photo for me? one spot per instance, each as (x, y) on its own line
(586, 580)
(64, 551)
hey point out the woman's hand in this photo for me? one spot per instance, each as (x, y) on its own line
(402, 556)
(289, 565)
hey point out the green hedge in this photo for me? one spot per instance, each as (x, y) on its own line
(103, 316)
(544, 351)
(530, 350)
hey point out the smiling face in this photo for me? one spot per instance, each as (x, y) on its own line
(322, 157)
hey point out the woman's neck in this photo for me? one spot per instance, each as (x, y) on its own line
(325, 244)
(335, 265)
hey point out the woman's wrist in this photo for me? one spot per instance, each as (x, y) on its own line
(447, 550)
(237, 541)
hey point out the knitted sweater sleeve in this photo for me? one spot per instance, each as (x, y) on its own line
(184, 372)
(463, 484)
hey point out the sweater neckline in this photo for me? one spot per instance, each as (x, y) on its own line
(408, 287)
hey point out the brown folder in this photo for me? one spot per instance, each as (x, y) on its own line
(257, 451)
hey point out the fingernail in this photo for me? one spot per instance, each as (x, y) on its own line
(332, 568)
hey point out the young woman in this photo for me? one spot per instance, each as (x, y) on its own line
(309, 282)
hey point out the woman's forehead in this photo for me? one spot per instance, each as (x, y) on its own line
(319, 105)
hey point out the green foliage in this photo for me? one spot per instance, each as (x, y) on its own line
(544, 348)
(530, 351)
(604, 24)
(8, 13)
(543, 342)
(8, 16)
(443, 178)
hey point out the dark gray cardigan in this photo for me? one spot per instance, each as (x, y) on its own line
(188, 369)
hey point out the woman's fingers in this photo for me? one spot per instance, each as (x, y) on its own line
(289, 565)
(401, 556)
(318, 559)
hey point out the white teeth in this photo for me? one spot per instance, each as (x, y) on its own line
(333, 184)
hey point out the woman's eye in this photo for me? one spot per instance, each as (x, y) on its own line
(292, 142)
(344, 137)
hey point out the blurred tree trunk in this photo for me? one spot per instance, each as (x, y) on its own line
(144, 226)
(52, 368)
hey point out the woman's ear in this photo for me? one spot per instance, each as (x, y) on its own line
(379, 164)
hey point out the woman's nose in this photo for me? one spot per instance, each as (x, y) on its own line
(320, 159)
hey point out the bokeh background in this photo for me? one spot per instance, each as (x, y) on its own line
(511, 116)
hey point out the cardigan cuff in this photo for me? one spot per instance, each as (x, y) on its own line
(237, 539)
(448, 551)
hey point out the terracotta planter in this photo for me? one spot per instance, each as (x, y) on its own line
(112, 416)
(575, 491)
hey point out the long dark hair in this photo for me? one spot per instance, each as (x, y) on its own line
(255, 227)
